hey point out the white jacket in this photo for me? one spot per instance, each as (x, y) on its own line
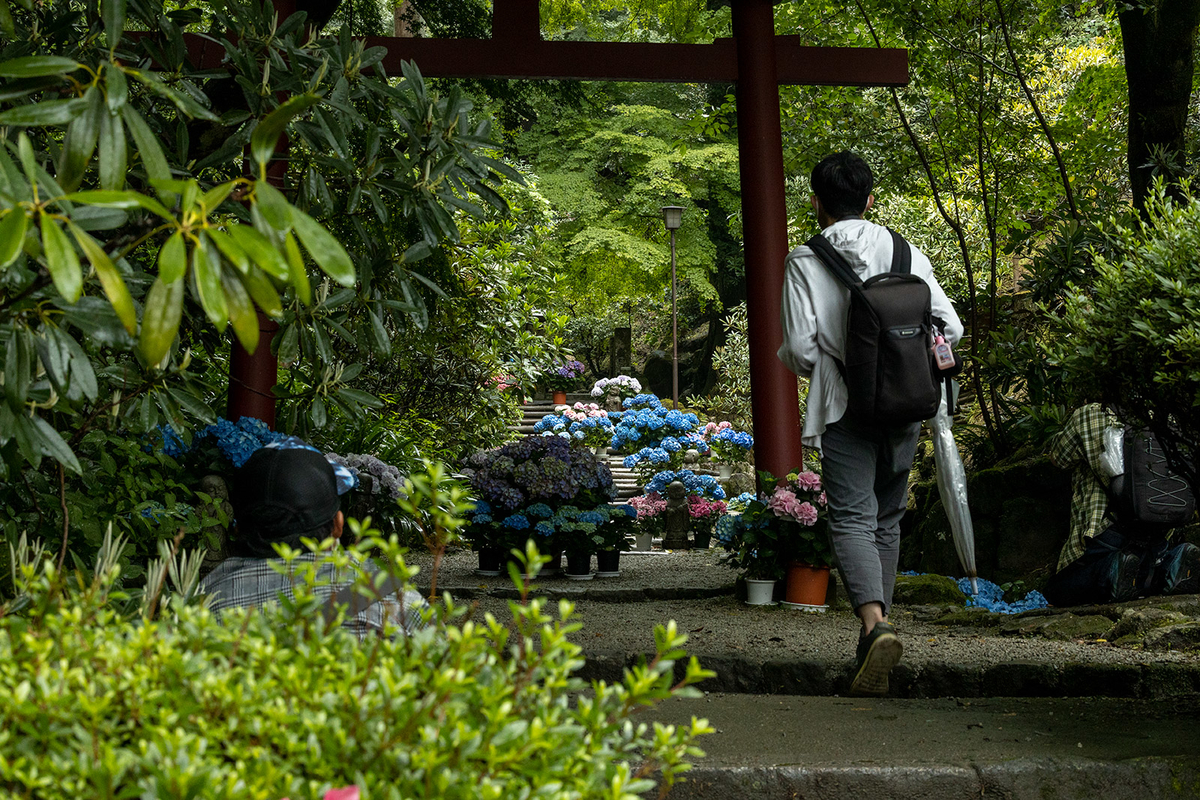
(815, 308)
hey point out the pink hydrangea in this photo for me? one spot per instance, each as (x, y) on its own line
(809, 481)
(783, 501)
(700, 507)
(822, 499)
(806, 514)
(649, 505)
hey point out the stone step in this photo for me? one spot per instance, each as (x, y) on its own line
(822, 747)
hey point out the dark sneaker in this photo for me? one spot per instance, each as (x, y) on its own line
(1125, 582)
(878, 652)
(1182, 567)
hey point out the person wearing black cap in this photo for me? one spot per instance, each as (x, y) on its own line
(282, 496)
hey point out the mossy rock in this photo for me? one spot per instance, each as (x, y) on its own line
(1184, 636)
(1070, 627)
(1138, 622)
(971, 617)
(927, 590)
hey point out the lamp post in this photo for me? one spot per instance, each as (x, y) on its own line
(673, 218)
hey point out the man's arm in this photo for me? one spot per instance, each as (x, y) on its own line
(799, 349)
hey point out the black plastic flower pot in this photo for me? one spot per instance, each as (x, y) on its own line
(608, 563)
(579, 563)
(702, 539)
(489, 560)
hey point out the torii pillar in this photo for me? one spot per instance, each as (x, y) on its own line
(773, 396)
(757, 61)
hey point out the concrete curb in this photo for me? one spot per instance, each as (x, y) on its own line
(595, 591)
(923, 681)
(1134, 779)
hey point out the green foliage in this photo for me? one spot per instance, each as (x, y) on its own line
(106, 698)
(143, 214)
(1132, 337)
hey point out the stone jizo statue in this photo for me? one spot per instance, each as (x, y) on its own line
(676, 520)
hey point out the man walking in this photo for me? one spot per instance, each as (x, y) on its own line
(865, 464)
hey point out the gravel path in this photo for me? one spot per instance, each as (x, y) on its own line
(723, 627)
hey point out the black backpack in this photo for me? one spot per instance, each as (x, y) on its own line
(889, 368)
(1150, 497)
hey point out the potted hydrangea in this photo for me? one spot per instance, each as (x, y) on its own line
(783, 532)
(729, 445)
(704, 513)
(649, 508)
(563, 378)
(616, 537)
(535, 487)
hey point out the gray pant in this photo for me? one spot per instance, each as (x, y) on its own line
(865, 476)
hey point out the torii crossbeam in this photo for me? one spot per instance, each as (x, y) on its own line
(757, 61)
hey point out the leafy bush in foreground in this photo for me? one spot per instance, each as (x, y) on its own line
(103, 701)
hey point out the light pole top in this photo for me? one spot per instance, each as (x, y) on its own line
(672, 216)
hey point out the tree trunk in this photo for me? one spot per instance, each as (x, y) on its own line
(1159, 45)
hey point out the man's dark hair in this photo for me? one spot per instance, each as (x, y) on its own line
(843, 182)
(279, 497)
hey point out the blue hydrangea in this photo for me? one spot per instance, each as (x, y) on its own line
(593, 517)
(482, 518)
(544, 528)
(482, 507)
(517, 522)
(540, 510)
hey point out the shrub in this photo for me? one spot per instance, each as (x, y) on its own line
(1133, 337)
(103, 703)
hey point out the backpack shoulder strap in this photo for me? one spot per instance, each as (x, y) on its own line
(901, 254)
(835, 262)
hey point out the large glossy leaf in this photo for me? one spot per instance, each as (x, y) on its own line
(274, 206)
(118, 87)
(113, 159)
(206, 268)
(12, 234)
(229, 248)
(263, 291)
(80, 141)
(262, 142)
(327, 251)
(297, 273)
(61, 259)
(120, 199)
(110, 278)
(261, 251)
(153, 160)
(242, 315)
(52, 444)
(48, 112)
(37, 66)
(114, 20)
(160, 321)
(172, 259)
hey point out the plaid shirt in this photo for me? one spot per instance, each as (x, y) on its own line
(1078, 448)
(241, 582)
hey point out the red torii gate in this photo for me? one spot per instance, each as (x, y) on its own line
(757, 61)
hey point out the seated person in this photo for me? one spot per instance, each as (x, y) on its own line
(281, 496)
(1104, 559)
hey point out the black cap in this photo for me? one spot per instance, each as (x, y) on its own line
(281, 496)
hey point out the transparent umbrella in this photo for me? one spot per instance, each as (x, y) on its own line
(952, 486)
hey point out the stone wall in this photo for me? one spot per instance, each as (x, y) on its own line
(1021, 515)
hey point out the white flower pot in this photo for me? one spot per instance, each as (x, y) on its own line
(725, 471)
(602, 451)
(759, 593)
(643, 541)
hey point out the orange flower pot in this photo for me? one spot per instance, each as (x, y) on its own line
(560, 397)
(806, 584)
